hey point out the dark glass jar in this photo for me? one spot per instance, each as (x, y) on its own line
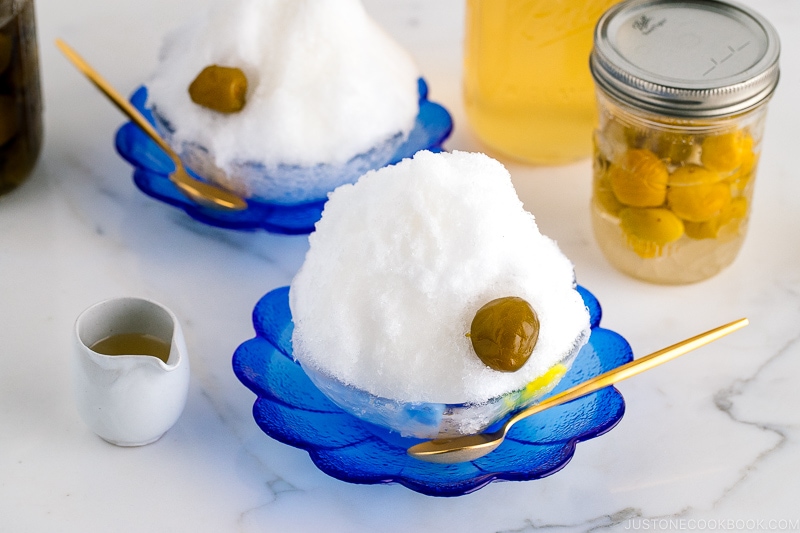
(20, 93)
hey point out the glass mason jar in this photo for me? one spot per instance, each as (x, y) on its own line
(527, 89)
(681, 94)
(20, 93)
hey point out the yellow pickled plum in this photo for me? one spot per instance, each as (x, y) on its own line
(734, 213)
(605, 197)
(648, 230)
(748, 155)
(673, 146)
(221, 89)
(607, 201)
(740, 179)
(690, 175)
(504, 332)
(736, 210)
(696, 194)
(723, 152)
(639, 179)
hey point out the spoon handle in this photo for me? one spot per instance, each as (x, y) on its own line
(116, 98)
(198, 191)
(628, 370)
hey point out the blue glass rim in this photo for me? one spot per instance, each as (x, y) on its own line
(152, 166)
(291, 410)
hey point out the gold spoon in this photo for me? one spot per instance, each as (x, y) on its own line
(201, 192)
(471, 447)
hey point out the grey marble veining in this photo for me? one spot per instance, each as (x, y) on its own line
(710, 439)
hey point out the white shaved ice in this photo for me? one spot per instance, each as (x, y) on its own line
(398, 266)
(325, 82)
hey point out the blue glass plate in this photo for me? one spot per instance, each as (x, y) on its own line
(152, 167)
(290, 409)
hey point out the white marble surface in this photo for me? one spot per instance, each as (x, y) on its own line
(710, 439)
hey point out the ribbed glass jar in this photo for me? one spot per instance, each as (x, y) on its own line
(681, 94)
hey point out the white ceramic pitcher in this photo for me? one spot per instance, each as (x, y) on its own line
(129, 400)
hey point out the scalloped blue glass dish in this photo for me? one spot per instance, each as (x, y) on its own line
(152, 167)
(291, 409)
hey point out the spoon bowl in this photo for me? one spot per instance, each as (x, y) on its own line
(199, 191)
(471, 447)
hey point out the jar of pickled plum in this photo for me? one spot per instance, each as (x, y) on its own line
(681, 90)
(20, 93)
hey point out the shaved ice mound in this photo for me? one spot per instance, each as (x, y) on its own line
(329, 96)
(397, 268)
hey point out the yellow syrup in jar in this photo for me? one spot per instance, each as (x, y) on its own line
(528, 91)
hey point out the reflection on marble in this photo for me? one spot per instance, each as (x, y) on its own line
(706, 439)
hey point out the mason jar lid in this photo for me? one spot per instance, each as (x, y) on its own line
(695, 58)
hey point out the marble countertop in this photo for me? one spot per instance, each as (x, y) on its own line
(711, 441)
